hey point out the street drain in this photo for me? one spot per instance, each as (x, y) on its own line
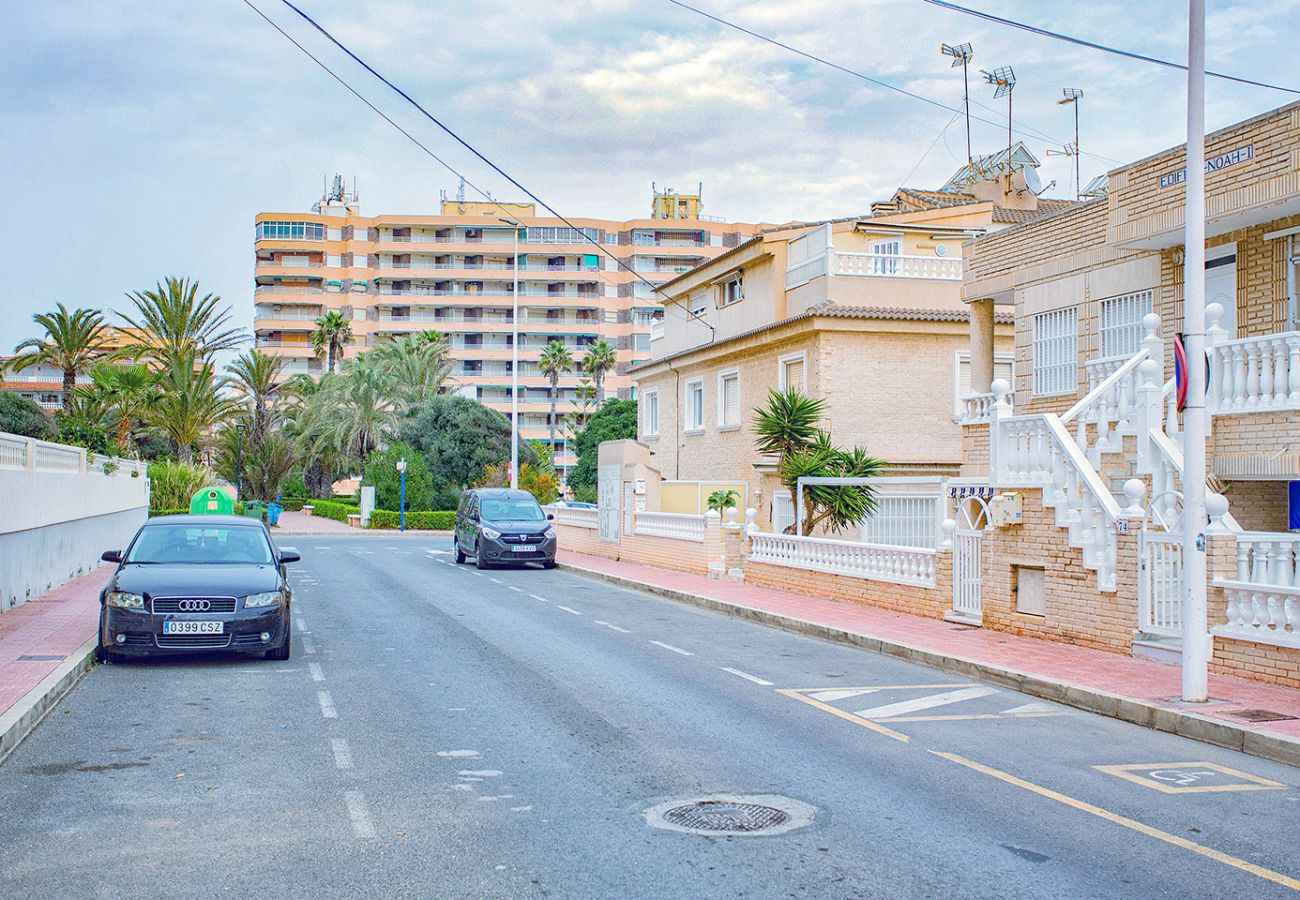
(725, 814)
(1260, 715)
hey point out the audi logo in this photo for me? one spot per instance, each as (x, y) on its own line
(194, 605)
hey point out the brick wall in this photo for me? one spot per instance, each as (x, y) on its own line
(665, 553)
(974, 451)
(904, 598)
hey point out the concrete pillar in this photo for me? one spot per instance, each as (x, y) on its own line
(981, 345)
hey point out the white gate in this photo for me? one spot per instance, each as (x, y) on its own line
(607, 498)
(967, 569)
(1160, 603)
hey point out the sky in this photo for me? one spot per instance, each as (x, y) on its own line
(139, 138)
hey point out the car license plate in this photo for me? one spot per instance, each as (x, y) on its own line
(171, 626)
(519, 549)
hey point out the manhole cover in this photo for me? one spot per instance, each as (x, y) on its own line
(731, 814)
(1260, 715)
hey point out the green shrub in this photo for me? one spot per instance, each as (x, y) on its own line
(239, 511)
(293, 486)
(293, 504)
(172, 484)
(381, 472)
(21, 416)
(442, 520)
(332, 509)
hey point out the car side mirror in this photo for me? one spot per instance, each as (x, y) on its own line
(288, 556)
(550, 517)
(113, 556)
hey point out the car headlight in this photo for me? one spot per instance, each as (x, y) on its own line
(548, 533)
(125, 600)
(490, 533)
(269, 598)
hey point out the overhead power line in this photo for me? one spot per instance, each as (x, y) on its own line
(1092, 45)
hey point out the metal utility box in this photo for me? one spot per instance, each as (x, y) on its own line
(1006, 509)
(212, 501)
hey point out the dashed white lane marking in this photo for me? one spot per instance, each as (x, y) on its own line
(342, 753)
(482, 773)
(614, 627)
(543, 599)
(302, 624)
(568, 609)
(479, 574)
(910, 706)
(496, 581)
(746, 676)
(362, 827)
(672, 648)
(316, 673)
(516, 589)
(308, 646)
(520, 808)
(320, 547)
(326, 705)
(458, 754)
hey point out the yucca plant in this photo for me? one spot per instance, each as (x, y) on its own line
(721, 500)
(788, 423)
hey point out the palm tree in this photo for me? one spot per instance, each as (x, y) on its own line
(256, 377)
(364, 408)
(788, 424)
(554, 362)
(416, 364)
(173, 319)
(126, 393)
(307, 420)
(190, 403)
(600, 359)
(74, 340)
(332, 334)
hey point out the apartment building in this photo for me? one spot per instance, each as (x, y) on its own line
(44, 384)
(864, 313)
(454, 272)
(1092, 408)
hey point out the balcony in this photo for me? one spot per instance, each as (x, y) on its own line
(884, 265)
(289, 289)
(293, 264)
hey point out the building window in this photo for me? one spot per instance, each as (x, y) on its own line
(650, 415)
(782, 511)
(1004, 367)
(694, 405)
(903, 521)
(290, 231)
(732, 290)
(548, 235)
(882, 253)
(729, 400)
(1121, 323)
(696, 306)
(1056, 351)
(791, 372)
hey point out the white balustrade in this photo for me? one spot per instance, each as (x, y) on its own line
(43, 456)
(1110, 404)
(670, 525)
(1264, 558)
(13, 451)
(876, 562)
(888, 265)
(578, 517)
(979, 408)
(1264, 597)
(58, 458)
(1255, 374)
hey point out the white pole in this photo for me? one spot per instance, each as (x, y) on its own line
(1196, 640)
(514, 372)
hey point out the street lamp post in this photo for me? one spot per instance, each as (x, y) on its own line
(239, 459)
(401, 506)
(514, 365)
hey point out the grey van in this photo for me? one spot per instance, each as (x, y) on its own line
(503, 526)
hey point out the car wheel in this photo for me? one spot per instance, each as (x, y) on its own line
(460, 554)
(548, 564)
(281, 653)
(479, 561)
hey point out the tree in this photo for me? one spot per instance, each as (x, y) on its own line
(124, 393)
(416, 364)
(615, 421)
(362, 407)
(536, 480)
(332, 334)
(74, 340)
(266, 464)
(721, 500)
(789, 422)
(255, 377)
(460, 438)
(21, 416)
(309, 419)
(173, 320)
(600, 359)
(190, 403)
(381, 472)
(555, 360)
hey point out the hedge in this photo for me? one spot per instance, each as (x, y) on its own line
(293, 504)
(332, 509)
(239, 511)
(441, 520)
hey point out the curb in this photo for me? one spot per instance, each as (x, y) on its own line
(1191, 725)
(21, 718)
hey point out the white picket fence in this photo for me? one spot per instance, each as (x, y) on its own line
(878, 562)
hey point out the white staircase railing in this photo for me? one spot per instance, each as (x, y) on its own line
(878, 562)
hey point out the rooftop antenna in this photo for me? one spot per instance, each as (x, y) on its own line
(460, 197)
(1003, 80)
(1072, 96)
(961, 56)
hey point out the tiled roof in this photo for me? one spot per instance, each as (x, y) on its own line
(1020, 216)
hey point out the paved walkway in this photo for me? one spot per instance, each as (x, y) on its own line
(36, 637)
(1136, 679)
(301, 523)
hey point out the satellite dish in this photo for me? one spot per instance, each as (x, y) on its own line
(1032, 181)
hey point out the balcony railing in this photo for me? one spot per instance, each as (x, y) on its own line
(575, 517)
(1264, 598)
(1254, 374)
(287, 316)
(670, 525)
(287, 289)
(885, 265)
(300, 264)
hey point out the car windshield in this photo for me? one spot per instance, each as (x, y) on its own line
(525, 510)
(200, 544)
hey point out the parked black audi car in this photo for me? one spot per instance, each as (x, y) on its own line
(500, 525)
(197, 583)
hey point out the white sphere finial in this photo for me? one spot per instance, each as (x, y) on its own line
(999, 387)
(1213, 313)
(1216, 505)
(1151, 322)
(1134, 489)
(948, 527)
(1149, 372)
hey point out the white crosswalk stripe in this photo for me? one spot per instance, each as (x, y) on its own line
(906, 707)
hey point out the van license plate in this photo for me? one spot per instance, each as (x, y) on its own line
(171, 626)
(519, 549)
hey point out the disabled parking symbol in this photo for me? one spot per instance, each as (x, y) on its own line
(1190, 778)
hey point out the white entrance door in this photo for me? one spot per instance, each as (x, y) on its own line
(967, 568)
(1221, 285)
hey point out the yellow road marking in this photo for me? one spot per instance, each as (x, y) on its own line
(1134, 774)
(1216, 855)
(857, 720)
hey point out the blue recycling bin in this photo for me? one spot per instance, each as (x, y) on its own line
(273, 511)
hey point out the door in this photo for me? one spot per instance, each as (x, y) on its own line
(967, 559)
(607, 489)
(1221, 285)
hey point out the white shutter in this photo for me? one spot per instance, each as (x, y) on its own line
(729, 402)
(794, 377)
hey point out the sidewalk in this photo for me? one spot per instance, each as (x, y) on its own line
(1136, 690)
(297, 523)
(46, 644)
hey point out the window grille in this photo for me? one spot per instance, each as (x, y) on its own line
(1121, 323)
(1056, 351)
(903, 521)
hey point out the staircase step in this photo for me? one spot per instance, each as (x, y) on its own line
(1158, 648)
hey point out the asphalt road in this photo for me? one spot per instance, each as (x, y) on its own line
(445, 733)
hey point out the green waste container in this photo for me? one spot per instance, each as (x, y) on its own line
(254, 509)
(212, 501)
